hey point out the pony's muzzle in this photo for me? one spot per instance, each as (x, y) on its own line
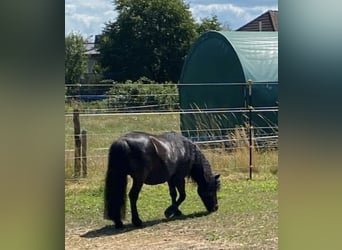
(215, 208)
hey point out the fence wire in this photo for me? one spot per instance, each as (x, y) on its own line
(141, 108)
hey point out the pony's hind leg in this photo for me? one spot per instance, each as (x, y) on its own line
(133, 197)
(173, 209)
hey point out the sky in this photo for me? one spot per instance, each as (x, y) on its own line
(88, 17)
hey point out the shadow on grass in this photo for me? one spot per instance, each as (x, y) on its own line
(111, 230)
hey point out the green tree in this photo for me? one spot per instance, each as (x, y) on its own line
(149, 38)
(208, 23)
(75, 58)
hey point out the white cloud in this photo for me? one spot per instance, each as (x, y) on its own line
(69, 9)
(88, 17)
(234, 15)
(91, 4)
(211, 9)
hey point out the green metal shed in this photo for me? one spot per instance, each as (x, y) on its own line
(214, 82)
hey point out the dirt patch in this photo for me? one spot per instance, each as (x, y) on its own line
(159, 236)
(146, 238)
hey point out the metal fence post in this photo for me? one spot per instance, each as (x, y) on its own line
(250, 128)
(84, 153)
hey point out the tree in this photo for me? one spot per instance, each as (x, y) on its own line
(149, 38)
(207, 24)
(75, 58)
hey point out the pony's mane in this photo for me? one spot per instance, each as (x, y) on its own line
(207, 173)
(201, 167)
(201, 172)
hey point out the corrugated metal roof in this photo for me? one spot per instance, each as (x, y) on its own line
(230, 56)
(257, 52)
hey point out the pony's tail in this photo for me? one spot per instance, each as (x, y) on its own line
(116, 182)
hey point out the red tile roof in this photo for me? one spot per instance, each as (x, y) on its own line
(267, 21)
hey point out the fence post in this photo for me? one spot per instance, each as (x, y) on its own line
(84, 153)
(250, 128)
(77, 166)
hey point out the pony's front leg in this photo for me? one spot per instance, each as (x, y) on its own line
(173, 209)
(133, 197)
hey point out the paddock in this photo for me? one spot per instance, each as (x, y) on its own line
(248, 212)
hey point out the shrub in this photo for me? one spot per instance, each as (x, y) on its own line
(143, 94)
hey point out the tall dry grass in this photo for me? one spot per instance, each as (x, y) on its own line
(232, 158)
(234, 161)
(231, 161)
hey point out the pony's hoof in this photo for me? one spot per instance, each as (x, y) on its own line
(137, 222)
(118, 225)
(178, 212)
(171, 211)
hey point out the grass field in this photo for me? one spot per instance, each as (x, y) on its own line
(248, 209)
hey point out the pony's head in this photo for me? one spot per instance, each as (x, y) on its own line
(208, 193)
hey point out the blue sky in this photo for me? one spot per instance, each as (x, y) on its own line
(88, 17)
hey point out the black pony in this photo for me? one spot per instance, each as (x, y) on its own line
(155, 159)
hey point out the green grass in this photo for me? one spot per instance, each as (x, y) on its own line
(103, 130)
(84, 200)
(248, 210)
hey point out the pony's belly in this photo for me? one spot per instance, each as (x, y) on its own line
(157, 178)
(153, 182)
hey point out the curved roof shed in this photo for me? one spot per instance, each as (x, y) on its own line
(217, 68)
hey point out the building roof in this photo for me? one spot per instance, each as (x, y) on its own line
(90, 49)
(231, 56)
(267, 21)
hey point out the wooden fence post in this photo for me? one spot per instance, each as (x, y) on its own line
(77, 166)
(84, 153)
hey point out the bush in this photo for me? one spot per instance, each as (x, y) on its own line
(143, 94)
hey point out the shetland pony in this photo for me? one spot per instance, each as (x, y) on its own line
(155, 159)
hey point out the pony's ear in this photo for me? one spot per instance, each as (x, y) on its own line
(160, 147)
(217, 176)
